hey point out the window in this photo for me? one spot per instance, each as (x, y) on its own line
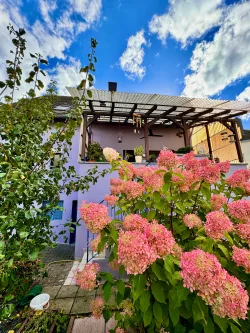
(55, 160)
(55, 214)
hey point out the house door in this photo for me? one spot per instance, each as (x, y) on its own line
(72, 238)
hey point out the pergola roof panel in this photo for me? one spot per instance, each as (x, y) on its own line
(122, 105)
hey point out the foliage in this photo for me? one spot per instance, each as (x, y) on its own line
(42, 322)
(177, 242)
(184, 150)
(139, 151)
(30, 136)
(95, 152)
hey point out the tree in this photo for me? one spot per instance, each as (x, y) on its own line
(26, 179)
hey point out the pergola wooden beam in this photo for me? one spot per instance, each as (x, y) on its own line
(92, 120)
(210, 150)
(130, 113)
(112, 111)
(187, 112)
(146, 140)
(186, 133)
(157, 117)
(91, 106)
(212, 117)
(154, 107)
(237, 142)
(84, 134)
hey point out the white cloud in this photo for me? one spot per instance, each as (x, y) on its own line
(67, 75)
(90, 10)
(245, 95)
(132, 58)
(51, 40)
(186, 19)
(224, 60)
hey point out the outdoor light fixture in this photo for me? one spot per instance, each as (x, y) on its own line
(224, 137)
(137, 122)
(179, 134)
(231, 138)
(119, 135)
(102, 104)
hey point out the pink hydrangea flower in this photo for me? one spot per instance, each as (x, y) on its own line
(110, 154)
(134, 251)
(242, 258)
(167, 159)
(240, 209)
(232, 300)
(217, 201)
(210, 173)
(160, 239)
(243, 230)
(94, 244)
(115, 190)
(224, 166)
(119, 330)
(177, 251)
(246, 187)
(201, 271)
(127, 171)
(135, 222)
(238, 178)
(151, 179)
(114, 265)
(217, 224)
(116, 182)
(95, 216)
(205, 162)
(192, 221)
(111, 199)
(132, 189)
(97, 307)
(86, 279)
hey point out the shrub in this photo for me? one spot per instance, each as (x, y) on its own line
(187, 263)
(139, 151)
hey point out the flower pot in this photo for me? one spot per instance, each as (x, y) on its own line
(40, 302)
(138, 159)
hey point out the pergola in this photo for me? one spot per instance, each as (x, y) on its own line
(183, 112)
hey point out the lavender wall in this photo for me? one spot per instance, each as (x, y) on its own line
(97, 192)
(106, 135)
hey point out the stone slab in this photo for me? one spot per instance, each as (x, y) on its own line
(63, 304)
(85, 293)
(88, 325)
(67, 291)
(81, 306)
(51, 290)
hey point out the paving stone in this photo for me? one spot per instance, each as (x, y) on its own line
(63, 304)
(85, 293)
(67, 291)
(88, 325)
(51, 290)
(81, 305)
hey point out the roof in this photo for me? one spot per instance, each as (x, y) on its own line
(120, 106)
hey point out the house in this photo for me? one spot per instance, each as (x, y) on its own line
(125, 120)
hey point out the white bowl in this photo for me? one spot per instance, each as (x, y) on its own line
(40, 302)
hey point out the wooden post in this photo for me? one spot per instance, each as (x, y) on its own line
(146, 140)
(237, 142)
(209, 143)
(186, 134)
(84, 132)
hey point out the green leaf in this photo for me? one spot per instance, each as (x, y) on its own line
(119, 298)
(174, 314)
(2, 174)
(89, 93)
(169, 265)
(147, 317)
(157, 311)
(2, 84)
(120, 286)
(156, 196)
(107, 276)
(33, 256)
(145, 301)
(23, 234)
(221, 322)
(107, 314)
(224, 251)
(209, 328)
(179, 329)
(43, 61)
(151, 215)
(167, 177)
(229, 238)
(234, 328)
(139, 285)
(159, 272)
(84, 69)
(32, 55)
(107, 287)
(177, 295)
(200, 310)
(158, 292)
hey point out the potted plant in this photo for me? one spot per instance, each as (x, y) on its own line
(184, 150)
(127, 156)
(152, 157)
(94, 152)
(138, 151)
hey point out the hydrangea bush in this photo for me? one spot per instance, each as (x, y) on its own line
(183, 244)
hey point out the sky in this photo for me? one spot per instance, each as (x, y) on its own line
(195, 48)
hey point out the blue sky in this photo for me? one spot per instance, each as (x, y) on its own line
(199, 48)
